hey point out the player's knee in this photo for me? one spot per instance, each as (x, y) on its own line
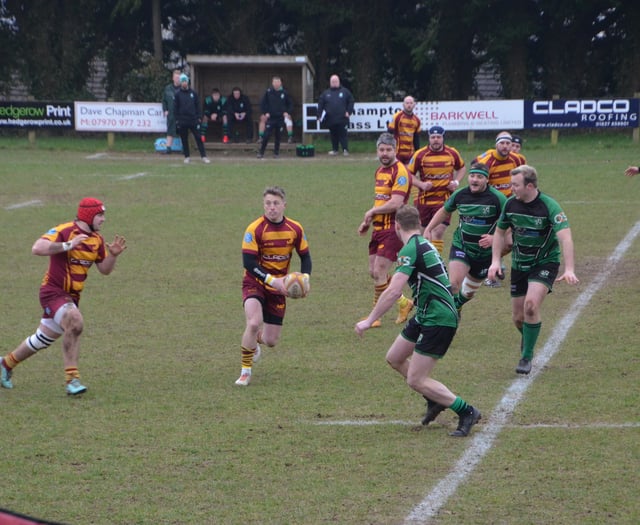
(253, 325)
(39, 341)
(531, 308)
(270, 341)
(394, 362)
(72, 322)
(413, 381)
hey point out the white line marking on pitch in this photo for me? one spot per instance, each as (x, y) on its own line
(482, 441)
(134, 176)
(23, 205)
(564, 426)
(399, 422)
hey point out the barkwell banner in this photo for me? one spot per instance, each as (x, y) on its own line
(464, 115)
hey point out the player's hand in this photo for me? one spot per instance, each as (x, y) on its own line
(485, 241)
(78, 239)
(363, 228)
(494, 271)
(631, 171)
(569, 278)
(118, 245)
(278, 285)
(362, 326)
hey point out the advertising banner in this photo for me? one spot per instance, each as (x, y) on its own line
(135, 117)
(464, 115)
(36, 115)
(582, 113)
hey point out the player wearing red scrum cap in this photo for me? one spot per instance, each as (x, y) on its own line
(72, 248)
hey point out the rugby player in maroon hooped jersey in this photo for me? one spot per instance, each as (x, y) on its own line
(72, 248)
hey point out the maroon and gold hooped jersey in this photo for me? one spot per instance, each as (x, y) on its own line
(392, 180)
(500, 169)
(68, 270)
(438, 168)
(273, 244)
(404, 127)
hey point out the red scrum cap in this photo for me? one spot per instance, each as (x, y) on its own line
(89, 208)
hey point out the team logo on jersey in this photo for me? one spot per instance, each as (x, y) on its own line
(275, 257)
(340, 95)
(544, 274)
(486, 210)
(560, 218)
(402, 180)
(248, 237)
(51, 231)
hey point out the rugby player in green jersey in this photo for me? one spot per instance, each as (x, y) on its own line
(479, 206)
(426, 337)
(540, 229)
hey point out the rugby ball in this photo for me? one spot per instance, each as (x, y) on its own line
(297, 285)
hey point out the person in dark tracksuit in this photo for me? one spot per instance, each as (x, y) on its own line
(239, 113)
(276, 105)
(187, 112)
(335, 106)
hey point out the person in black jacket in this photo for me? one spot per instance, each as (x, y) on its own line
(335, 106)
(187, 113)
(239, 112)
(276, 105)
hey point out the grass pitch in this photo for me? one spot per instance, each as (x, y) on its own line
(327, 432)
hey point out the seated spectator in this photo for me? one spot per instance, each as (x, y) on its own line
(215, 111)
(239, 112)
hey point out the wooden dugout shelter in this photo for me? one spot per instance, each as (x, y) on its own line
(253, 73)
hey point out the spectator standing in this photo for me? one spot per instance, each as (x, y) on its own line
(168, 98)
(276, 105)
(187, 110)
(335, 106)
